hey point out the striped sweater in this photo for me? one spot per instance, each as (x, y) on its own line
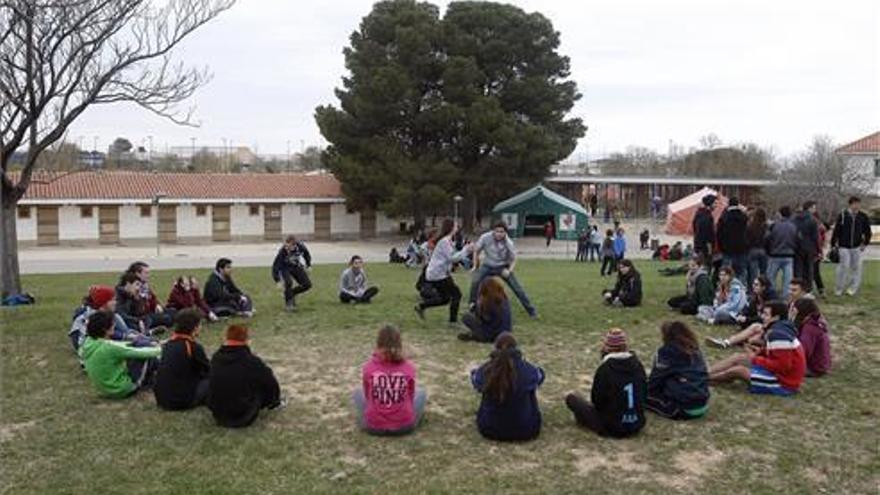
(783, 355)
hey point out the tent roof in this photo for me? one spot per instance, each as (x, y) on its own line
(692, 199)
(539, 190)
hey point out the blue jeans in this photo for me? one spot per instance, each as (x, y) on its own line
(757, 264)
(740, 265)
(360, 406)
(786, 265)
(485, 271)
(594, 251)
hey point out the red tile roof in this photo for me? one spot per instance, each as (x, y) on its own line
(868, 144)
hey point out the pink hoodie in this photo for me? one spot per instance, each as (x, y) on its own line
(390, 390)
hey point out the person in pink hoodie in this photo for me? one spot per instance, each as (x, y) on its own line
(389, 402)
(813, 334)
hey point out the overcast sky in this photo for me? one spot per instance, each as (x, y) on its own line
(775, 73)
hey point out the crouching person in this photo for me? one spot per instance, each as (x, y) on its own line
(182, 379)
(353, 283)
(115, 369)
(389, 402)
(240, 384)
(618, 393)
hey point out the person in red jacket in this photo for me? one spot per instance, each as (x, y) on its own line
(777, 367)
(813, 335)
(185, 294)
(549, 231)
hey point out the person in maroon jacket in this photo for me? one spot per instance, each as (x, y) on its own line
(185, 294)
(813, 334)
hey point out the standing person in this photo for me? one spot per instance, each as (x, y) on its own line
(733, 241)
(628, 290)
(240, 383)
(619, 246)
(704, 228)
(498, 260)
(182, 378)
(851, 235)
(618, 392)
(185, 294)
(595, 244)
(438, 273)
(549, 232)
(353, 283)
(698, 291)
(594, 205)
(508, 385)
(388, 401)
(223, 296)
(678, 387)
(644, 237)
(582, 243)
(756, 233)
(608, 261)
(820, 255)
(782, 245)
(491, 315)
(808, 244)
(291, 263)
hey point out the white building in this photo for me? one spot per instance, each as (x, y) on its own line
(128, 208)
(865, 154)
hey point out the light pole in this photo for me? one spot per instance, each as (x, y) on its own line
(192, 151)
(156, 199)
(457, 200)
(150, 149)
(288, 155)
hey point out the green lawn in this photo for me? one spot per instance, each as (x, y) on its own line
(58, 437)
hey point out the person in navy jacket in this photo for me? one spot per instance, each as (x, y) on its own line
(291, 263)
(678, 386)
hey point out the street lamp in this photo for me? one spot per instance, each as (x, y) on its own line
(457, 200)
(156, 199)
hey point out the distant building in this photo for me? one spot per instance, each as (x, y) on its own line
(130, 208)
(865, 154)
(236, 155)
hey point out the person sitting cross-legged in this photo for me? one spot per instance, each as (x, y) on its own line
(678, 386)
(353, 283)
(698, 291)
(491, 315)
(222, 295)
(182, 378)
(628, 290)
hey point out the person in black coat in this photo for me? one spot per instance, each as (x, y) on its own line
(628, 290)
(291, 263)
(223, 296)
(240, 383)
(618, 392)
(182, 379)
(704, 228)
(678, 387)
(808, 244)
(732, 239)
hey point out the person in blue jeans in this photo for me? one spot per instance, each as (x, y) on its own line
(756, 233)
(782, 243)
(499, 260)
(595, 244)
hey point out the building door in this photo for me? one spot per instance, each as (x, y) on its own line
(167, 223)
(368, 224)
(47, 225)
(322, 221)
(272, 222)
(220, 223)
(108, 224)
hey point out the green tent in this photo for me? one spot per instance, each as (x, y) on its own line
(528, 212)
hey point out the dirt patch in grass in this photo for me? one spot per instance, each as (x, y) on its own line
(586, 462)
(9, 432)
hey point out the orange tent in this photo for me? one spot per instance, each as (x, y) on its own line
(680, 214)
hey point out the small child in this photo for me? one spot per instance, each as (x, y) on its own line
(508, 384)
(115, 369)
(678, 387)
(389, 403)
(618, 393)
(182, 379)
(608, 260)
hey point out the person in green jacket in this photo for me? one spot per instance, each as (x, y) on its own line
(115, 369)
(700, 290)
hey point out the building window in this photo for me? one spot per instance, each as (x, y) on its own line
(85, 212)
(305, 209)
(24, 212)
(876, 167)
(255, 210)
(201, 210)
(146, 210)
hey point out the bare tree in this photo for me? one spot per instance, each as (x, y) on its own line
(58, 57)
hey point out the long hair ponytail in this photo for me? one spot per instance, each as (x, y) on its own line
(500, 371)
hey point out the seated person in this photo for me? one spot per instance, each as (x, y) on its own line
(618, 392)
(688, 251)
(185, 294)
(730, 300)
(223, 296)
(133, 308)
(777, 366)
(115, 369)
(797, 290)
(154, 314)
(676, 253)
(394, 257)
(182, 378)
(698, 292)
(240, 384)
(678, 386)
(762, 293)
(628, 290)
(389, 403)
(353, 283)
(491, 314)
(103, 298)
(508, 385)
(813, 335)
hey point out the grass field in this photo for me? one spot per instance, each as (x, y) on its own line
(58, 437)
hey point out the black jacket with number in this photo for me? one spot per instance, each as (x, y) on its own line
(184, 364)
(240, 385)
(287, 259)
(851, 231)
(619, 392)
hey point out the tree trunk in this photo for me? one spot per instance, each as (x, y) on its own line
(10, 281)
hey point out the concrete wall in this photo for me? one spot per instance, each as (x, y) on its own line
(26, 228)
(294, 222)
(343, 223)
(73, 227)
(133, 227)
(243, 225)
(385, 225)
(191, 226)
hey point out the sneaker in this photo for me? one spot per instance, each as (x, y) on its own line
(838, 293)
(533, 315)
(465, 336)
(420, 311)
(157, 331)
(281, 404)
(717, 343)
(710, 321)
(246, 314)
(850, 292)
(472, 308)
(290, 308)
